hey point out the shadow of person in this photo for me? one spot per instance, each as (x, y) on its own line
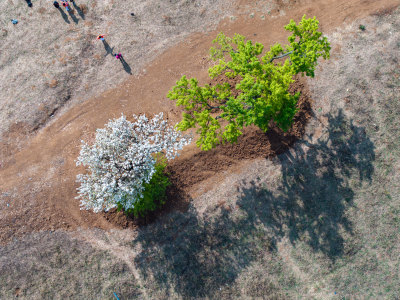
(127, 68)
(73, 17)
(79, 10)
(29, 3)
(64, 15)
(107, 47)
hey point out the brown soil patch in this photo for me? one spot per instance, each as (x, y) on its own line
(38, 181)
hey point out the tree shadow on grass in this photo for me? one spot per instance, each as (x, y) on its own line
(195, 256)
(191, 256)
(315, 189)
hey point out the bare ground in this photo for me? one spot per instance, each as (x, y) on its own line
(320, 221)
(52, 59)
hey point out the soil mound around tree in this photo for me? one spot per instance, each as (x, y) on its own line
(191, 170)
(254, 143)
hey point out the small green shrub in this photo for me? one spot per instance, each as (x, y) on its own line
(154, 194)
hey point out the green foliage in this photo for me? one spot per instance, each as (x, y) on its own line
(263, 82)
(154, 194)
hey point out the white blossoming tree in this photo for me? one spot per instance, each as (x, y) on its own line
(126, 164)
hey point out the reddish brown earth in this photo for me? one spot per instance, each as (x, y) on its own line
(38, 181)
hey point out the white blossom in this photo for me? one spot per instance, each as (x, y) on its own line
(122, 159)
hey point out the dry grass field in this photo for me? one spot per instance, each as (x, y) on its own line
(52, 59)
(319, 221)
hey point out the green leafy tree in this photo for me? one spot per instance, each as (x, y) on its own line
(219, 112)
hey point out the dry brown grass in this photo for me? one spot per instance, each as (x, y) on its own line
(43, 36)
(83, 8)
(53, 83)
(42, 10)
(57, 266)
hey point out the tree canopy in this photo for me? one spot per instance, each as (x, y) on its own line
(122, 164)
(219, 112)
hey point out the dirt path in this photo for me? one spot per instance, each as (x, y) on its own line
(66, 64)
(37, 184)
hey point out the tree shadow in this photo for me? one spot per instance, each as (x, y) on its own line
(79, 10)
(195, 256)
(127, 68)
(191, 256)
(73, 17)
(316, 188)
(64, 15)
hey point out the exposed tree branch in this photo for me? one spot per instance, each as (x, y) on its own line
(288, 53)
(280, 56)
(213, 107)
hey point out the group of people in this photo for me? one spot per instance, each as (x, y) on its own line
(64, 3)
(100, 37)
(67, 7)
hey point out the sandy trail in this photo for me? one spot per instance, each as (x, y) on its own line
(38, 182)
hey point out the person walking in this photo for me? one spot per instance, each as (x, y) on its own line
(66, 5)
(118, 56)
(101, 37)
